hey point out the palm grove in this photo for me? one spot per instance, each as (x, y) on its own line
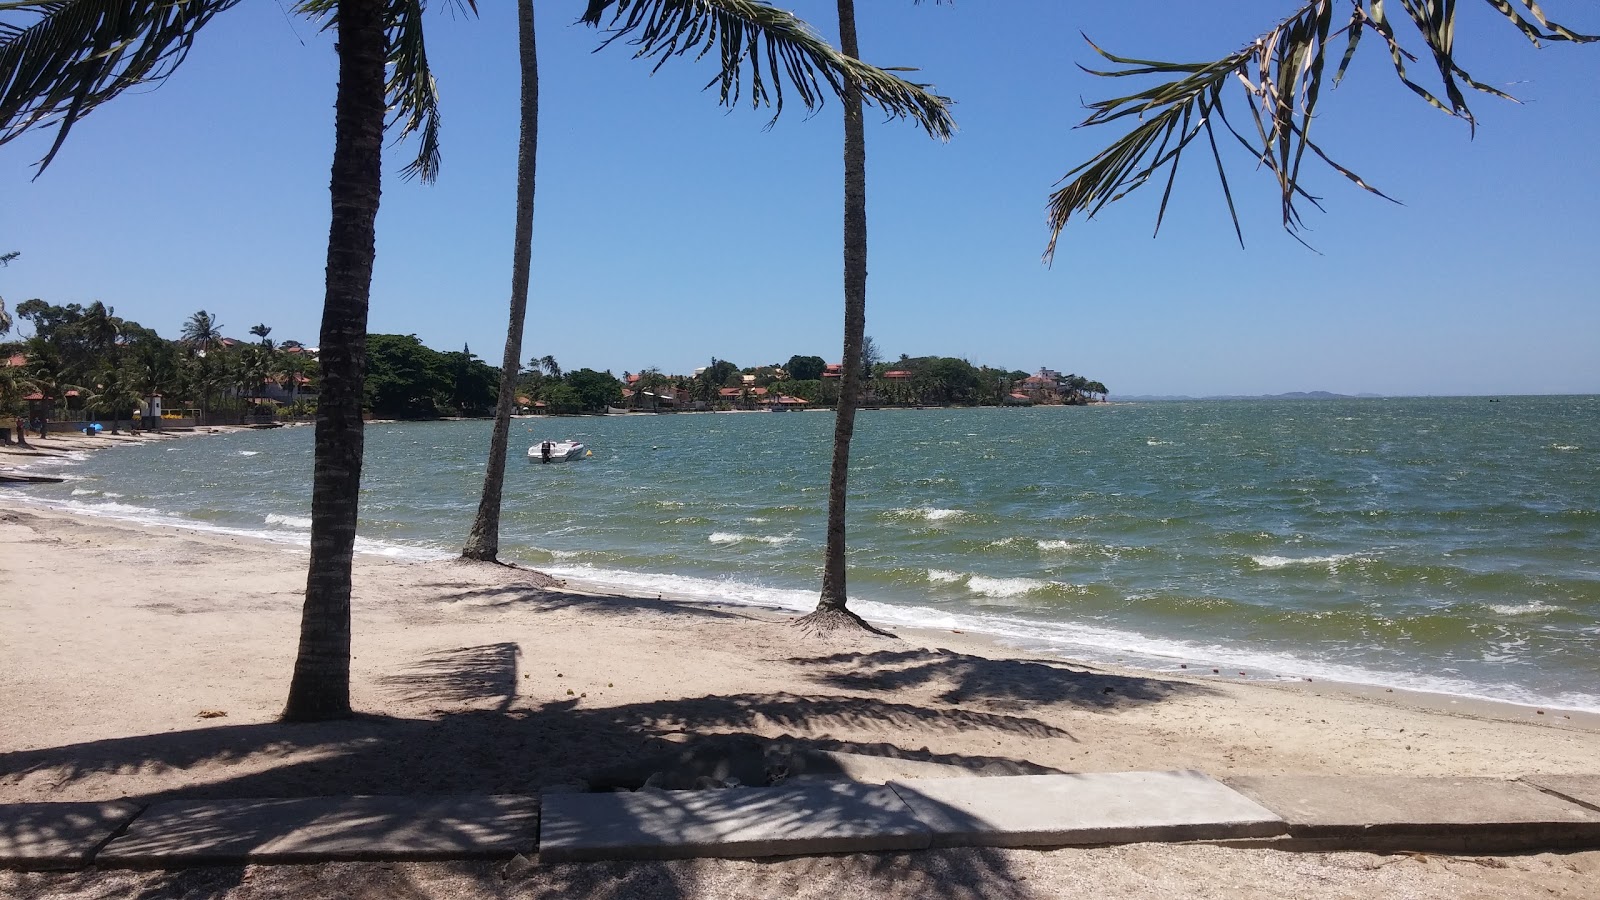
(59, 59)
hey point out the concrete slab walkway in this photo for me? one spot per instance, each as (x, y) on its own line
(58, 835)
(1292, 812)
(1460, 815)
(319, 829)
(1583, 790)
(734, 822)
(1095, 808)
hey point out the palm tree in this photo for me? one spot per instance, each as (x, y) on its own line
(64, 65)
(5, 317)
(667, 28)
(116, 394)
(831, 611)
(153, 370)
(101, 328)
(15, 383)
(550, 366)
(483, 541)
(1281, 75)
(202, 332)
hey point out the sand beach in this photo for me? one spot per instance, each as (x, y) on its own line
(151, 663)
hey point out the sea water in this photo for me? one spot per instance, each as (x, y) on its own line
(1450, 545)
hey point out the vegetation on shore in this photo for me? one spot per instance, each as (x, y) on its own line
(113, 365)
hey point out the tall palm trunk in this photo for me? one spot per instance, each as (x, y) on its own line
(831, 612)
(321, 686)
(483, 542)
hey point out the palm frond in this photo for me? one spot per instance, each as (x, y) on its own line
(59, 59)
(1281, 76)
(412, 92)
(762, 48)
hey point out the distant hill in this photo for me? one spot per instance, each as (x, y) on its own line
(1291, 395)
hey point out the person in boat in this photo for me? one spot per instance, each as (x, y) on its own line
(544, 451)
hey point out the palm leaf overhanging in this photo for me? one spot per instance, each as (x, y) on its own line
(1281, 74)
(760, 48)
(413, 94)
(59, 59)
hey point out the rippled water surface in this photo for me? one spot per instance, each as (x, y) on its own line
(1444, 544)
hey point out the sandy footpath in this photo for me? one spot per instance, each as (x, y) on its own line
(151, 663)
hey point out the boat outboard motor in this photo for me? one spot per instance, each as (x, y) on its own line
(544, 451)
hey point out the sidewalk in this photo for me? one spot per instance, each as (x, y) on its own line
(1290, 812)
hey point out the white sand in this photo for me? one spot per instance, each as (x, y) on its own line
(116, 640)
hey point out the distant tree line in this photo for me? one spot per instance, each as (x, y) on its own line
(112, 365)
(89, 359)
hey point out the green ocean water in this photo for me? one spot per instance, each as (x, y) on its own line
(1450, 545)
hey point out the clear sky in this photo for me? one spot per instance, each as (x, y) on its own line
(669, 230)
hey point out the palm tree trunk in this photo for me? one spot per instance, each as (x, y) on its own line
(483, 543)
(321, 686)
(831, 612)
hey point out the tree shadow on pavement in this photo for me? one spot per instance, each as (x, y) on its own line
(509, 749)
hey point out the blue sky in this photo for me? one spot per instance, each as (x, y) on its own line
(669, 229)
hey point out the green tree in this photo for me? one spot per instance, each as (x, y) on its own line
(115, 395)
(594, 390)
(155, 366)
(202, 332)
(473, 383)
(5, 317)
(805, 368)
(561, 399)
(720, 372)
(405, 379)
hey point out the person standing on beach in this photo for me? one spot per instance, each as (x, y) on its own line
(22, 433)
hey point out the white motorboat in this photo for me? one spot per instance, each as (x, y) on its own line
(558, 451)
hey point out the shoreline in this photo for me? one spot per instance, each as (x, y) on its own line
(1107, 659)
(62, 445)
(123, 539)
(1464, 706)
(65, 448)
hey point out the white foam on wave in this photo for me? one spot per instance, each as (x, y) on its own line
(1523, 609)
(1073, 640)
(926, 514)
(1565, 448)
(731, 537)
(143, 515)
(249, 452)
(1002, 588)
(290, 521)
(112, 509)
(1058, 546)
(1332, 562)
